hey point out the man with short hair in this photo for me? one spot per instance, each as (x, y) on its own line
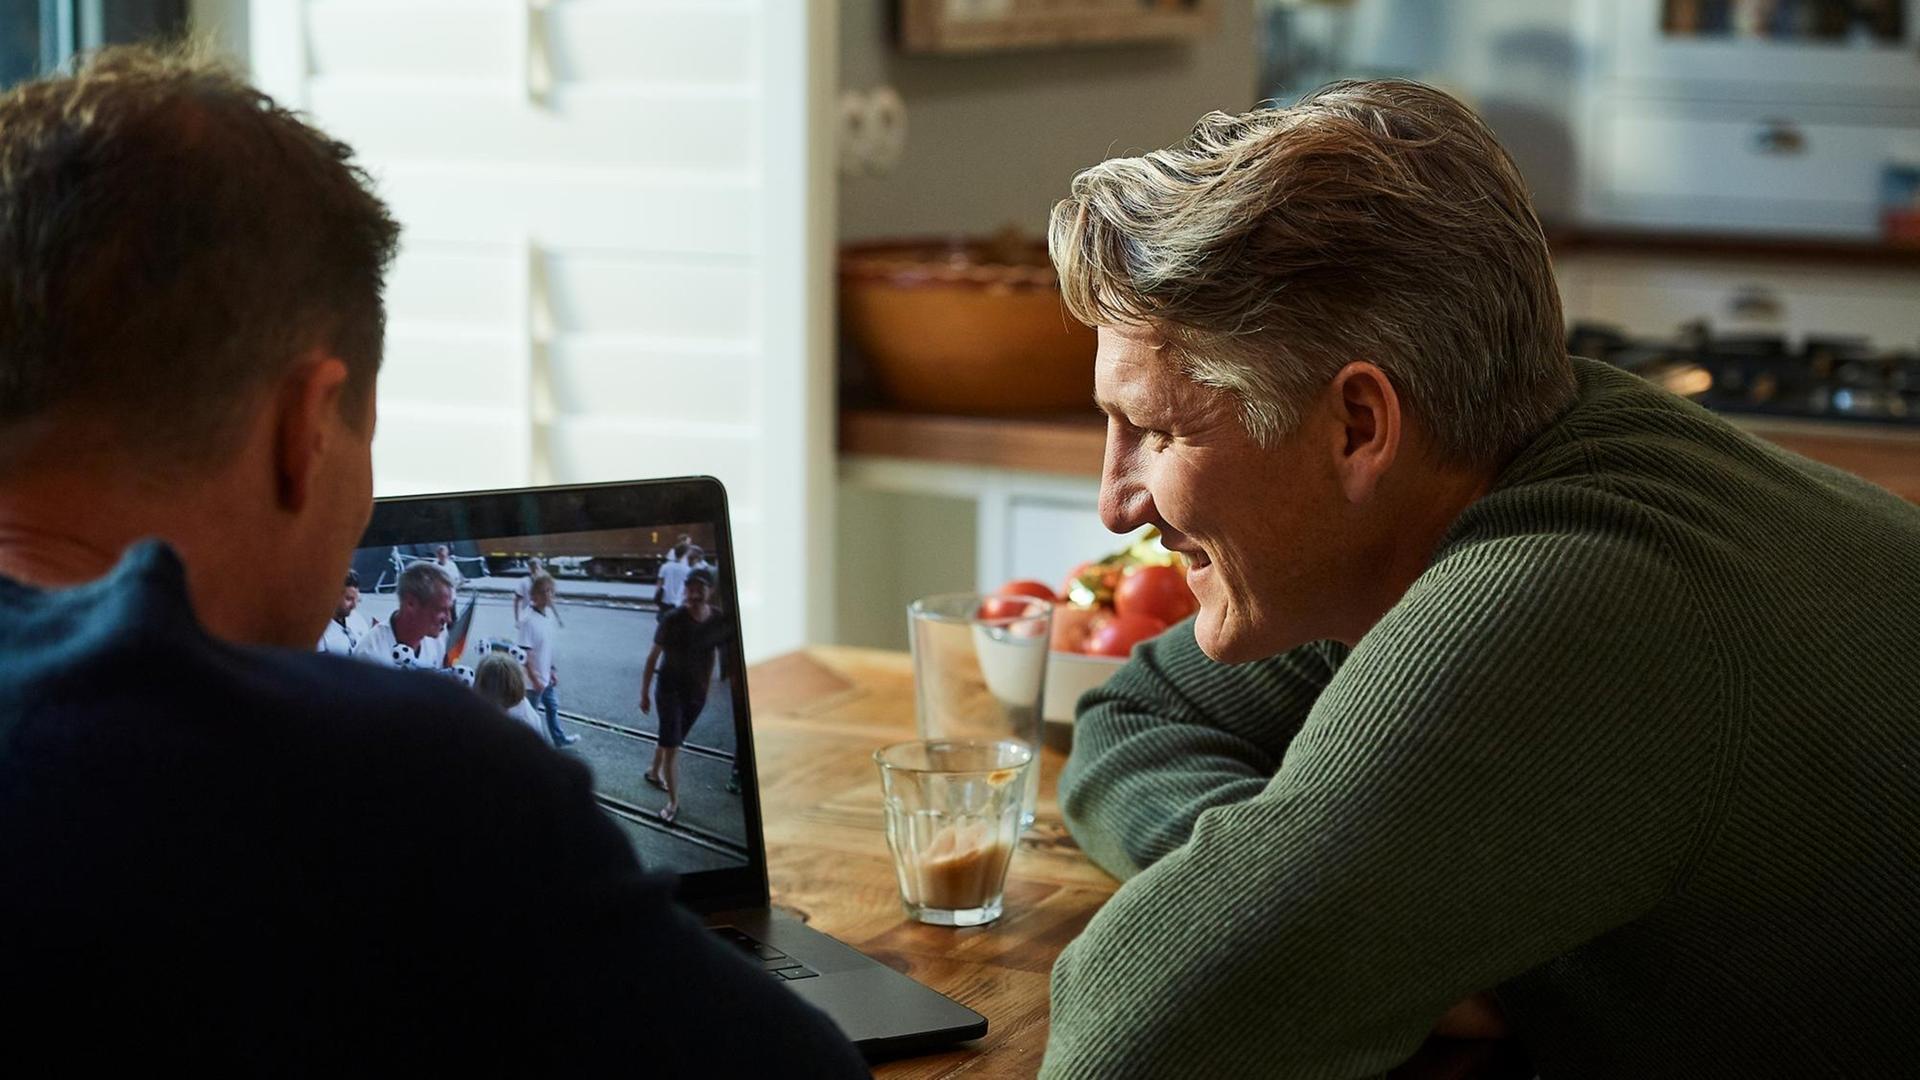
(341, 633)
(671, 584)
(1524, 697)
(225, 853)
(424, 612)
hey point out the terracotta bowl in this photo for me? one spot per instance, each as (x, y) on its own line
(965, 326)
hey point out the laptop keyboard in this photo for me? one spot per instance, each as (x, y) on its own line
(777, 964)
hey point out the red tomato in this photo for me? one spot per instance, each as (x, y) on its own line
(1003, 607)
(1072, 626)
(1158, 592)
(1026, 587)
(1118, 635)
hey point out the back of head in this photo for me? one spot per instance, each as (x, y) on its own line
(171, 242)
(1376, 221)
(499, 680)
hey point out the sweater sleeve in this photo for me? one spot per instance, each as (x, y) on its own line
(1522, 755)
(1172, 735)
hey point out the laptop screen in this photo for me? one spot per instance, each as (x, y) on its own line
(554, 605)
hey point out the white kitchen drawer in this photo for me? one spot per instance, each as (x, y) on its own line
(1661, 164)
(1641, 58)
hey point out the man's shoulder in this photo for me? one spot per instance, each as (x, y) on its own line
(1557, 618)
(1576, 571)
(333, 730)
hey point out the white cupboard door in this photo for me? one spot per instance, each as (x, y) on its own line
(617, 224)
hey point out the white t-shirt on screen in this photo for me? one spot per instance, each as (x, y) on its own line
(540, 636)
(377, 646)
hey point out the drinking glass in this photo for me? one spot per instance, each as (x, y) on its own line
(980, 670)
(953, 820)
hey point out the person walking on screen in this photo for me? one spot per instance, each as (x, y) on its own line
(683, 654)
(672, 586)
(540, 637)
(523, 591)
(443, 562)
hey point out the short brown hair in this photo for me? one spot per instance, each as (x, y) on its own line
(1375, 221)
(171, 241)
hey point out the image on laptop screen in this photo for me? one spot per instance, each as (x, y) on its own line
(557, 630)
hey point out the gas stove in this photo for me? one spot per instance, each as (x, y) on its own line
(1826, 378)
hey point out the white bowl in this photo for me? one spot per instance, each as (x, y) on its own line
(1071, 674)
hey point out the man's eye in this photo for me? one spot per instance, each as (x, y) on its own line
(1157, 440)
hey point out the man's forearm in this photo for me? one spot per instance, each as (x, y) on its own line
(1174, 734)
(1137, 798)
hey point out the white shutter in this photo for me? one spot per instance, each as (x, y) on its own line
(617, 231)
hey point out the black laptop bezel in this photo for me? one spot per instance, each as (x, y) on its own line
(534, 511)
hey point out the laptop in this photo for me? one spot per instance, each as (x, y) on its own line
(605, 546)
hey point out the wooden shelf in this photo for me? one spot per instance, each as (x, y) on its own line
(1073, 444)
(1713, 246)
(1070, 443)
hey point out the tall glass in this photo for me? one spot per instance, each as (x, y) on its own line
(980, 670)
(953, 820)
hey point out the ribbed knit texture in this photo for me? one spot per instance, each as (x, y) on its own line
(1640, 750)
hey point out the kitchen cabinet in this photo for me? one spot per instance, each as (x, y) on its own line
(1741, 132)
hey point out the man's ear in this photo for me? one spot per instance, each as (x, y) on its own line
(308, 420)
(1368, 408)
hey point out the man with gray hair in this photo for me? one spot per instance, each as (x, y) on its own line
(1524, 698)
(424, 612)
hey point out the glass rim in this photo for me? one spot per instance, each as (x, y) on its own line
(880, 756)
(972, 601)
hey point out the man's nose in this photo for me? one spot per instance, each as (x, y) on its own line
(1125, 503)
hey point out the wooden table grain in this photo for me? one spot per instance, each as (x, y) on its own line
(818, 715)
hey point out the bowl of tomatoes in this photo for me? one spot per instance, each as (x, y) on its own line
(1105, 608)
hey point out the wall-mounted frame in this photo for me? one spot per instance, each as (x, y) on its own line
(969, 26)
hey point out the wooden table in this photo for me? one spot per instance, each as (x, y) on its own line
(818, 715)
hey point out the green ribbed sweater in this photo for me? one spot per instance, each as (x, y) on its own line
(1640, 751)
